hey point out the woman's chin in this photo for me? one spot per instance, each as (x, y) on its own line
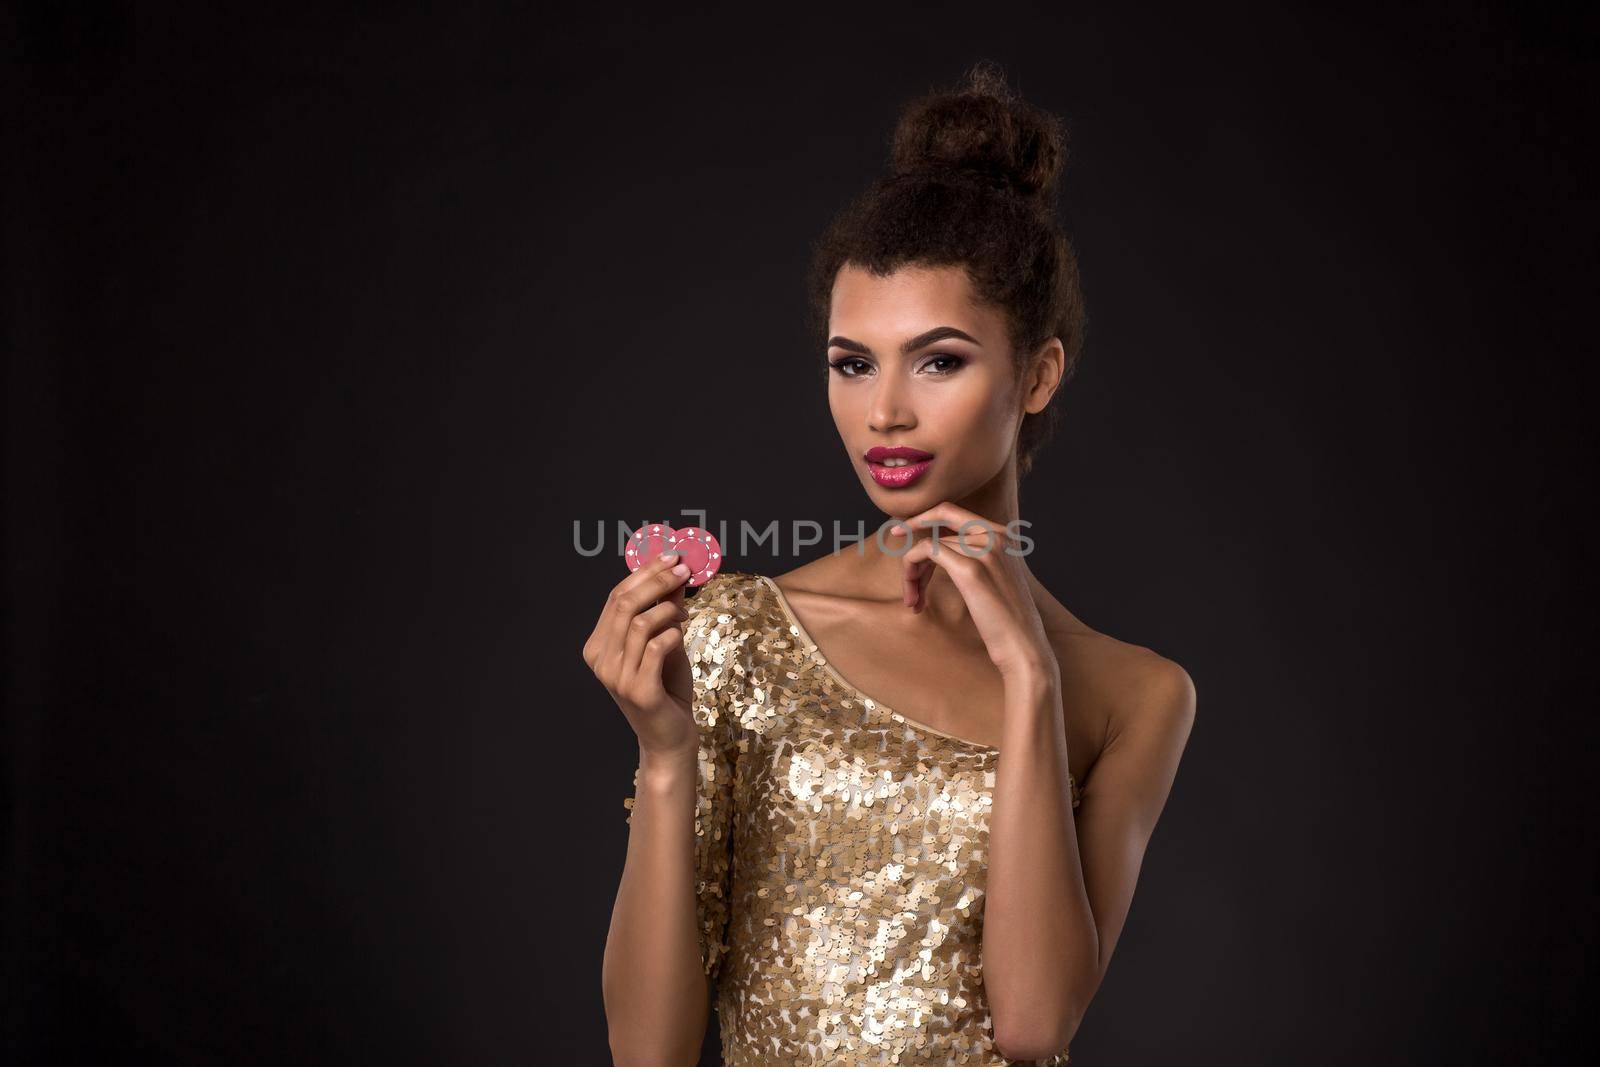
(904, 502)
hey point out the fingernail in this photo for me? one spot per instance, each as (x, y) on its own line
(680, 570)
(669, 556)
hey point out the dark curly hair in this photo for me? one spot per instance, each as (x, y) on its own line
(971, 182)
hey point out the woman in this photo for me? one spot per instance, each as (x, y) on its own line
(885, 857)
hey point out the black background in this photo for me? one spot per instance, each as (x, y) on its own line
(324, 329)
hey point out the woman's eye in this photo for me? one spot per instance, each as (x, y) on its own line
(941, 364)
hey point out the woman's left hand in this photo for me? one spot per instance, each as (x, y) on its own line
(991, 580)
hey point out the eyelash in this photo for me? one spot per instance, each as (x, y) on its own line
(957, 362)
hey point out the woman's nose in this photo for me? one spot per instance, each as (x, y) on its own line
(890, 407)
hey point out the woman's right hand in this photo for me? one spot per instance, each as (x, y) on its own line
(636, 650)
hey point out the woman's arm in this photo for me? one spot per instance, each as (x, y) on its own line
(1060, 888)
(655, 969)
(1053, 910)
(656, 993)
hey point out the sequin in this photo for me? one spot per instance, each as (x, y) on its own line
(841, 853)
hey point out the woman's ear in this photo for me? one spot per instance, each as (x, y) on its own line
(1044, 376)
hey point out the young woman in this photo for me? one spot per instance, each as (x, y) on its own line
(857, 824)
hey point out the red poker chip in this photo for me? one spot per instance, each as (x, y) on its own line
(646, 543)
(696, 548)
(699, 552)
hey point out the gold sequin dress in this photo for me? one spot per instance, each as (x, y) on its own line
(841, 853)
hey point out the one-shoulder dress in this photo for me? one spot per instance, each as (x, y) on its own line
(841, 852)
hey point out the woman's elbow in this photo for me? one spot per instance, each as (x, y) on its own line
(1028, 1052)
(652, 1055)
(656, 1042)
(1034, 1042)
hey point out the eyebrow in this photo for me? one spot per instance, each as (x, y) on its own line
(922, 340)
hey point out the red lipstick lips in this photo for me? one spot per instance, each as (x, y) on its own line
(900, 475)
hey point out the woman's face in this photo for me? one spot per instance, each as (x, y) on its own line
(915, 362)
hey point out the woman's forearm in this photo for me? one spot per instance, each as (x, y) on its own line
(653, 981)
(1040, 946)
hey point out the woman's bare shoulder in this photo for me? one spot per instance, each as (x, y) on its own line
(1128, 684)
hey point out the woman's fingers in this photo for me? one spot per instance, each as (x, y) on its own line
(921, 559)
(947, 528)
(638, 591)
(635, 680)
(639, 628)
(652, 663)
(952, 521)
(974, 552)
(676, 593)
(943, 530)
(914, 583)
(919, 562)
(643, 588)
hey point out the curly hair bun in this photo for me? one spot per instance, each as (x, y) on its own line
(984, 129)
